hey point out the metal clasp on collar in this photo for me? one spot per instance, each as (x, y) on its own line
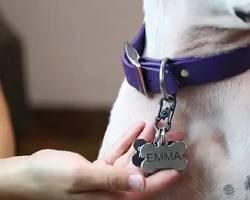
(167, 102)
(162, 78)
(134, 57)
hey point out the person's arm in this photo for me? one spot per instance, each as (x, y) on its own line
(62, 175)
(7, 144)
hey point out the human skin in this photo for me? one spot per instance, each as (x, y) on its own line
(7, 144)
(61, 175)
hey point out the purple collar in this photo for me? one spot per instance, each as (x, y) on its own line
(143, 74)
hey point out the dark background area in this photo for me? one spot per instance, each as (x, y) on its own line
(77, 131)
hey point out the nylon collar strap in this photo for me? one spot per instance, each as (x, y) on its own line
(180, 72)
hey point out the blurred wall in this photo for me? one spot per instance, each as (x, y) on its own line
(73, 48)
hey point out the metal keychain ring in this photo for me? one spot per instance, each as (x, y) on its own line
(163, 137)
(162, 77)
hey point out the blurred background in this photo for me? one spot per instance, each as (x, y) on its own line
(60, 69)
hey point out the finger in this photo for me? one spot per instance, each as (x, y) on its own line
(155, 184)
(124, 143)
(113, 178)
(91, 196)
(160, 181)
(147, 134)
(175, 136)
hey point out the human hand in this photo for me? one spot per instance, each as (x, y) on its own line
(155, 183)
(61, 175)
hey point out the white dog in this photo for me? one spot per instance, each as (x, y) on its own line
(216, 116)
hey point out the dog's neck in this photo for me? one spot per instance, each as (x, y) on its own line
(193, 42)
(172, 37)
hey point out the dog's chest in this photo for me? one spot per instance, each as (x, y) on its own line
(215, 118)
(215, 112)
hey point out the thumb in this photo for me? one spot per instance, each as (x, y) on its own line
(107, 177)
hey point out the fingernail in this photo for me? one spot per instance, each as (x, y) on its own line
(136, 183)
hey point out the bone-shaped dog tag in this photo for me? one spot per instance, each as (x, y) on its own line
(163, 157)
(152, 158)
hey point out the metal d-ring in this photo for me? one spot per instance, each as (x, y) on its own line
(162, 78)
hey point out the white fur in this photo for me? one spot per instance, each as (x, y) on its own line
(216, 117)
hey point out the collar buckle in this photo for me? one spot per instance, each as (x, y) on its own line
(133, 57)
